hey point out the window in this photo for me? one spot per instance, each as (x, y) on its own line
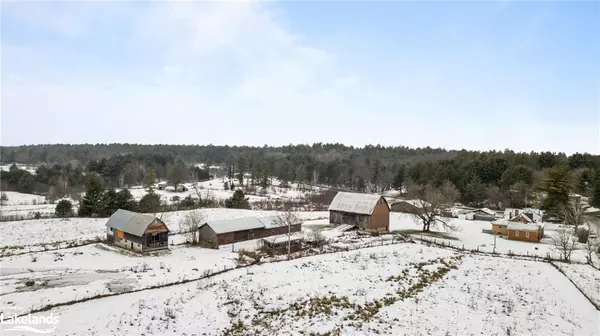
(526, 234)
(516, 233)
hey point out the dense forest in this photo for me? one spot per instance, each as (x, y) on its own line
(491, 178)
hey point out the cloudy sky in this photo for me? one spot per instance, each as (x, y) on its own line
(476, 75)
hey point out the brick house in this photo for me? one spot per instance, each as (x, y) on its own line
(525, 232)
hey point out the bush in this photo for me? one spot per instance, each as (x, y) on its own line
(583, 235)
(64, 209)
(374, 233)
(3, 198)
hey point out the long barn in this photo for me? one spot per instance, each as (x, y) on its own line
(365, 211)
(240, 229)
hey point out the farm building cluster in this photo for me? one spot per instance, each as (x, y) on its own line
(347, 211)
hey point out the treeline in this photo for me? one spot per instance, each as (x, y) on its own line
(491, 178)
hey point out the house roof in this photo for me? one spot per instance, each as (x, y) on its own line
(523, 227)
(500, 222)
(527, 216)
(355, 202)
(487, 211)
(130, 222)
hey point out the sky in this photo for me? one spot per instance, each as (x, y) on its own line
(478, 75)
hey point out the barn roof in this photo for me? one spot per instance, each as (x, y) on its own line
(354, 202)
(234, 225)
(130, 222)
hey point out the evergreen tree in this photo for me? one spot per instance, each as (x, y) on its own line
(149, 178)
(558, 184)
(91, 203)
(108, 203)
(237, 201)
(124, 200)
(63, 209)
(398, 181)
(149, 203)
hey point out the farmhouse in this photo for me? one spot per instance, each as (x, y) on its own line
(365, 211)
(136, 231)
(236, 230)
(525, 232)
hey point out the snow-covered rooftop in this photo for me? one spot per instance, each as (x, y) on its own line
(283, 238)
(522, 226)
(354, 202)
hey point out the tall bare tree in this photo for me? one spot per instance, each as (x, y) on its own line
(287, 219)
(431, 203)
(574, 214)
(564, 243)
(191, 224)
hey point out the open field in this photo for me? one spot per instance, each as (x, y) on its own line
(392, 290)
(359, 292)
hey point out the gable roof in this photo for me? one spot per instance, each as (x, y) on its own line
(130, 222)
(527, 216)
(355, 203)
(234, 225)
(486, 211)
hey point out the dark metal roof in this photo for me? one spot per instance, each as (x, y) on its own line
(130, 222)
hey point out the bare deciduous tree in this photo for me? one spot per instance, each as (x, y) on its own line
(574, 214)
(431, 203)
(287, 219)
(564, 243)
(190, 225)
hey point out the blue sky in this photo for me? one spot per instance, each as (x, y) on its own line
(476, 75)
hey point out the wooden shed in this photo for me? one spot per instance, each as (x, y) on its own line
(365, 211)
(525, 232)
(236, 230)
(279, 243)
(136, 231)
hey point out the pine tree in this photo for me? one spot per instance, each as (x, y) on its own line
(398, 181)
(237, 201)
(91, 204)
(558, 185)
(149, 178)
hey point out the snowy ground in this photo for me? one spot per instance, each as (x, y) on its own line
(214, 189)
(585, 277)
(471, 237)
(405, 289)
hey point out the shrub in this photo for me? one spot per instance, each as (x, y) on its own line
(64, 209)
(583, 235)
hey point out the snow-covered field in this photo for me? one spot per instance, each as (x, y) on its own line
(585, 277)
(397, 289)
(471, 237)
(405, 289)
(214, 189)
